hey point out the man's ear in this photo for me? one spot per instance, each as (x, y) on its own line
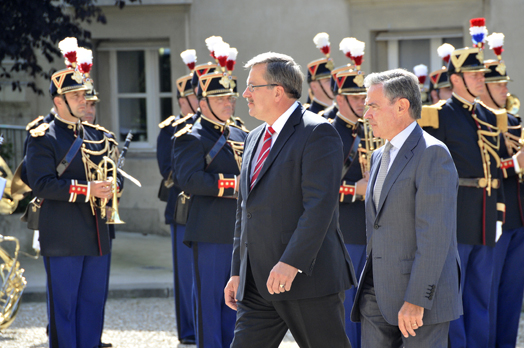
(340, 99)
(278, 93)
(402, 106)
(455, 79)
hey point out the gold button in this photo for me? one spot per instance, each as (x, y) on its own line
(465, 106)
(217, 127)
(70, 127)
(348, 125)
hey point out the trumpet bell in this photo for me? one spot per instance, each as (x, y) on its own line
(114, 219)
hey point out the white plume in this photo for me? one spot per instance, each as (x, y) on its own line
(445, 50)
(188, 56)
(420, 70)
(321, 40)
(495, 40)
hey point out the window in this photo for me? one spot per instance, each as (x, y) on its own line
(407, 49)
(141, 83)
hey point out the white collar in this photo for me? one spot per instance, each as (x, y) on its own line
(401, 137)
(281, 121)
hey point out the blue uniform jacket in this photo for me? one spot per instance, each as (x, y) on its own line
(213, 203)
(477, 211)
(352, 213)
(67, 224)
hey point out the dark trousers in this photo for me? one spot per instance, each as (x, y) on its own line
(183, 283)
(76, 291)
(472, 328)
(507, 289)
(215, 322)
(314, 323)
(378, 333)
(357, 253)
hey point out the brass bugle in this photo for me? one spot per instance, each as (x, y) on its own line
(102, 175)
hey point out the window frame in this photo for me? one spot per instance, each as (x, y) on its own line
(152, 83)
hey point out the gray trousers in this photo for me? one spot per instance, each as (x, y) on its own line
(378, 333)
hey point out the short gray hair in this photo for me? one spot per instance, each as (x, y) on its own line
(281, 70)
(398, 83)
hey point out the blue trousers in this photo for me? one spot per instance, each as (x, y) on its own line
(76, 292)
(507, 289)
(214, 321)
(183, 283)
(357, 253)
(472, 328)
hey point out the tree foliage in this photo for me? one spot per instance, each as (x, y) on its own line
(33, 28)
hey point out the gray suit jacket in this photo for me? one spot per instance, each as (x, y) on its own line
(291, 214)
(412, 236)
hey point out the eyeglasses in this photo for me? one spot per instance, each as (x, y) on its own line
(251, 88)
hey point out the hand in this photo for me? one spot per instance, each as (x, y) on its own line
(281, 274)
(101, 189)
(361, 186)
(230, 292)
(410, 319)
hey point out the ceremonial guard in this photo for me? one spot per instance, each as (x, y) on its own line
(350, 97)
(354, 50)
(472, 133)
(68, 170)
(182, 256)
(508, 274)
(439, 86)
(206, 164)
(318, 76)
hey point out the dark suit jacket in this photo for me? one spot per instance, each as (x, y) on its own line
(412, 236)
(291, 214)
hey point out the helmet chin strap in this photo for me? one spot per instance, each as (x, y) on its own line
(191, 106)
(491, 96)
(211, 109)
(323, 90)
(352, 110)
(69, 108)
(466, 85)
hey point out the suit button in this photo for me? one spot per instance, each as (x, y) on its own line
(249, 215)
(376, 226)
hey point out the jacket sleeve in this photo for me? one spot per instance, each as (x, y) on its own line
(436, 184)
(163, 152)
(320, 182)
(43, 179)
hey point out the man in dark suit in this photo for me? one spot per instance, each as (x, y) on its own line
(290, 266)
(409, 289)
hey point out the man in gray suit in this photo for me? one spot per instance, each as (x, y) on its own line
(409, 290)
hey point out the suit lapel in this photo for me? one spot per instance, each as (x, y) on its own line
(285, 134)
(249, 154)
(373, 172)
(404, 155)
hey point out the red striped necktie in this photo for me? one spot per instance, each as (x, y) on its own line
(264, 152)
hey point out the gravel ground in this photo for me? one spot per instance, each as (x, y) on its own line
(130, 323)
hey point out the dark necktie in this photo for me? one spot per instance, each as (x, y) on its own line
(382, 172)
(264, 152)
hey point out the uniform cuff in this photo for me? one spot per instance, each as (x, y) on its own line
(226, 185)
(78, 188)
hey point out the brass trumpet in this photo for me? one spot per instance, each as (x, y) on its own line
(371, 144)
(102, 171)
